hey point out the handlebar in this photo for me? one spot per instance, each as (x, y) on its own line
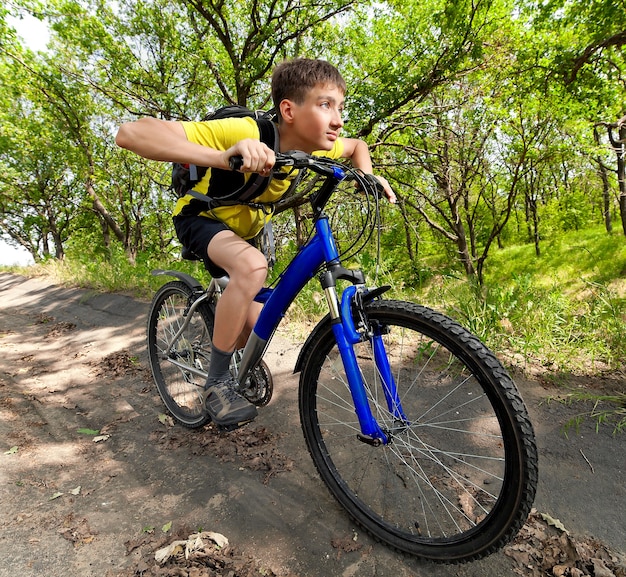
(334, 173)
(299, 160)
(320, 165)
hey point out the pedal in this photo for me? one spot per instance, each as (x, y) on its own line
(232, 427)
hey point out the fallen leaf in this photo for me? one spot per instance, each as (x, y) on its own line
(193, 543)
(55, 496)
(75, 491)
(554, 522)
(162, 555)
(166, 527)
(12, 451)
(217, 538)
(166, 420)
(600, 569)
(101, 438)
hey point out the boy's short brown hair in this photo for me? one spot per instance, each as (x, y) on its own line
(293, 79)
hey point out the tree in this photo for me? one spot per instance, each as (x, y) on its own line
(616, 132)
(458, 101)
(580, 44)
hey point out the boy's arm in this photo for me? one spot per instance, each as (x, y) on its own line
(167, 141)
(358, 153)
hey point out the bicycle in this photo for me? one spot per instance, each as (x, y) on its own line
(412, 423)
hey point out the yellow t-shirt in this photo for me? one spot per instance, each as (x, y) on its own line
(244, 220)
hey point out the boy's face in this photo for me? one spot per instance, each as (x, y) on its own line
(315, 124)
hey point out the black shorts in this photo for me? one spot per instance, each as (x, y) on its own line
(195, 233)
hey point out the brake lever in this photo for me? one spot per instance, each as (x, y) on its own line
(373, 183)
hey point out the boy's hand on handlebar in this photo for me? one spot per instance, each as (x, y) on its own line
(382, 186)
(387, 190)
(255, 156)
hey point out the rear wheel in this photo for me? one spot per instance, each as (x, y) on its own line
(180, 363)
(458, 477)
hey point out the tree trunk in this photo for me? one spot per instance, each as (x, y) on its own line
(606, 188)
(104, 213)
(621, 171)
(619, 147)
(300, 230)
(463, 248)
(606, 197)
(407, 231)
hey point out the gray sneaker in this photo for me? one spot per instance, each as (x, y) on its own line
(226, 407)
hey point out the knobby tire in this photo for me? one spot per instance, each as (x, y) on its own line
(458, 478)
(179, 388)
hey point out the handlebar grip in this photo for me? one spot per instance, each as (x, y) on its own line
(374, 184)
(235, 162)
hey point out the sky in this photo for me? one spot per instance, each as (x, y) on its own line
(14, 256)
(35, 35)
(33, 32)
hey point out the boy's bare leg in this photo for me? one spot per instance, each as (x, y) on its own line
(235, 313)
(253, 315)
(236, 310)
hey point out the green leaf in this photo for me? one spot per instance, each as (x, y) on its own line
(166, 527)
(12, 451)
(92, 432)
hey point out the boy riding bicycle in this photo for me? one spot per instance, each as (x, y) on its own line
(308, 96)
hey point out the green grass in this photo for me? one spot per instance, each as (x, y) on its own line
(564, 310)
(569, 261)
(561, 315)
(114, 274)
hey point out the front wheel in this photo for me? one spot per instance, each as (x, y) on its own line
(458, 477)
(180, 362)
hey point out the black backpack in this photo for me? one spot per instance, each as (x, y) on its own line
(228, 187)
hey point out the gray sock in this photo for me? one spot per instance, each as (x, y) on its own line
(219, 369)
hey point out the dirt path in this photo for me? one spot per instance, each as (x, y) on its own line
(93, 480)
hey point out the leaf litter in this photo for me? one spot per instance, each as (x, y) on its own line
(544, 547)
(76, 531)
(254, 448)
(118, 364)
(192, 554)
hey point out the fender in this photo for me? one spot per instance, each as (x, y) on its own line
(192, 283)
(323, 329)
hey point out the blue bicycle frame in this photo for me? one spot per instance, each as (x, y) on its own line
(321, 249)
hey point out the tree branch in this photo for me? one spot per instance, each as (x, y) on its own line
(618, 40)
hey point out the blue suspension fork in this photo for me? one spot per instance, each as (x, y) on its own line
(346, 337)
(374, 333)
(388, 382)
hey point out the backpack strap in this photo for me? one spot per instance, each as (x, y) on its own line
(256, 184)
